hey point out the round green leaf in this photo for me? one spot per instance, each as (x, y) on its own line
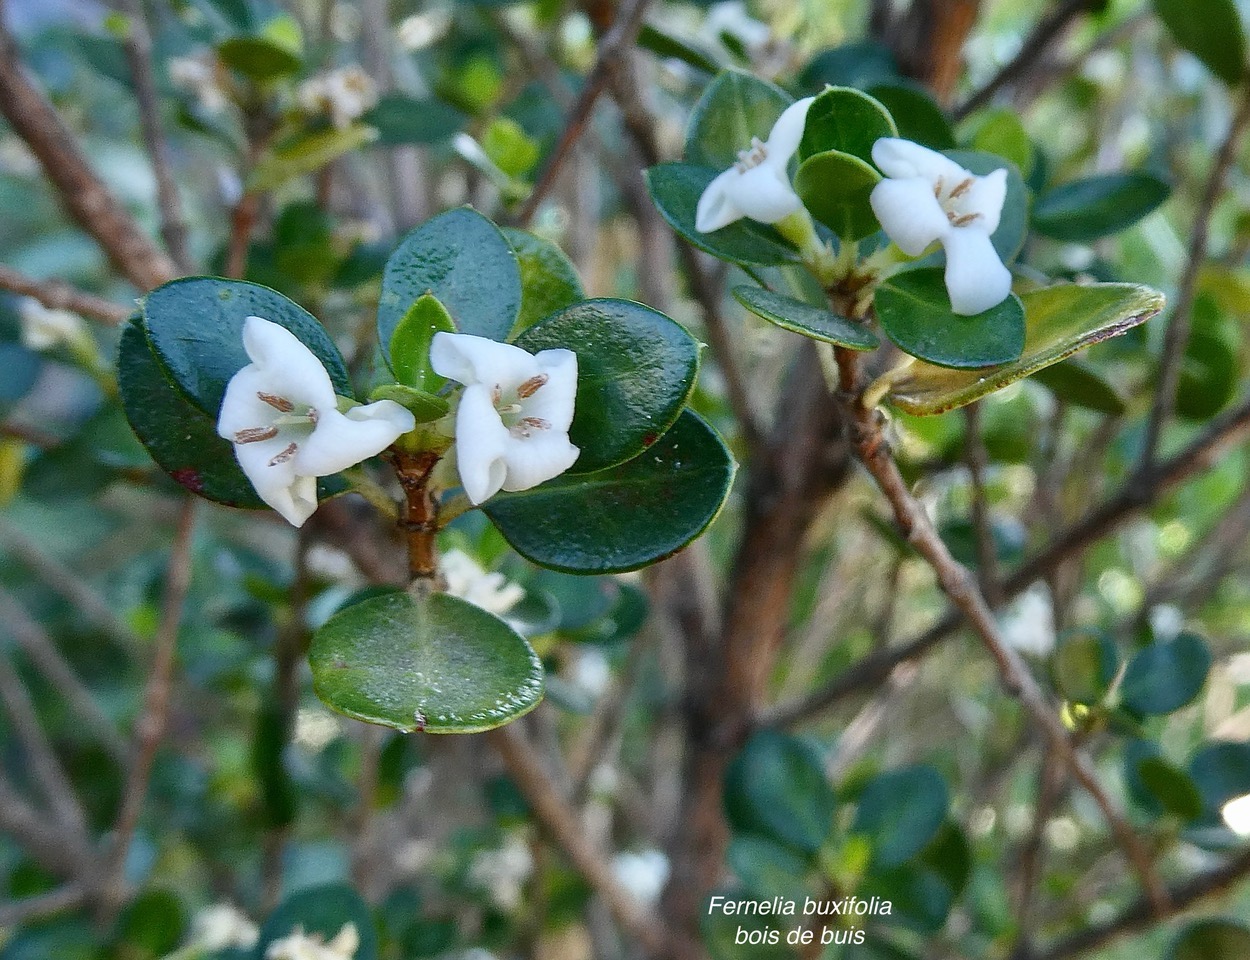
(915, 313)
(1211, 30)
(1166, 676)
(1058, 320)
(549, 282)
(258, 58)
(803, 318)
(636, 369)
(917, 115)
(920, 899)
(1171, 787)
(675, 189)
(437, 664)
(735, 107)
(1086, 210)
(1000, 131)
(857, 64)
(834, 186)
(195, 327)
(401, 119)
(463, 259)
(410, 343)
(1211, 939)
(1222, 773)
(1013, 224)
(1076, 383)
(323, 910)
(900, 812)
(846, 120)
(624, 517)
(776, 788)
(1210, 375)
(1085, 665)
(767, 869)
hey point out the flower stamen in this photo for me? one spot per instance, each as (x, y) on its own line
(532, 386)
(961, 221)
(255, 434)
(961, 189)
(285, 455)
(751, 158)
(281, 404)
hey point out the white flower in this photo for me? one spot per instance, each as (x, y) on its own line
(282, 415)
(1029, 624)
(502, 873)
(199, 74)
(512, 427)
(423, 30)
(928, 197)
(466, 579)
(590, 672)
(301, 946)
(758, 185)
(345, 94)
(221, 927)
(44, 329)
(730, 18)
(643, 874)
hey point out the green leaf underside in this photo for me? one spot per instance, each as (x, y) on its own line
(1211, 940)
(733, 108)
(636, 369)
(846, 120)
(805, 319)
(1059, 321)
(437, 664)
(1164, 677)
(1086, 210)
(776, 788)
(410, 343)
(1211, 30)
(900, 811)
(321, 910)
(915, 312)
(195, 328)
(548, 280)
(835, 186)
(464, 260)
(1078, 385)
(625, 517)
(676, 187)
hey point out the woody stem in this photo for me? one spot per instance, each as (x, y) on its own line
(420, 519)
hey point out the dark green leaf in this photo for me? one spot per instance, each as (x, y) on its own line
(803, 318)
(548, 280)
(664, 44)
(848, 121)
(636, 369)
(916, 314)
(1171, 787)
(1076, 383)
(1086, 210)
(1211, 939)
(916, 114)
(767, 869)
(1222, 773)
(410, 343)
(1085, 665)
(625, 517)
(258, 58)
(1210, 375)
(437, 664)
(1211, 30)
(859, 64)
(835, 186)
(900, 812)
(401, 119)
(1164, 677)
(323, 910)
(777, 788)
(734, 108)
(1001, 132)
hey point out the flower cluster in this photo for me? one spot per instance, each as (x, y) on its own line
(345, 95)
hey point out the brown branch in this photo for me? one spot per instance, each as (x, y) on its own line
(41, 907)
(978, 463)
(56, 295)
(86, 198)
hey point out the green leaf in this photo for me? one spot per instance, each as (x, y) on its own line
(306, 153)
(777, 788)
(734, 108)
(625, 517)
(1000, 131)
(195, 327)
(1171, 787)
(1164, 677)
(917, 115)
(916, 314)
(1058, 320)
(664, 44)
(1085, 665)
(425, 407)
(1013, 224)
(1211, 30)
(834, 186)
(1077, 384)
(549, 281)
(259, 58)
(675, 189)
(1086, 210)
(410, 343)
(323, 910)
(846, 120)
(1211, 939)
(1210, 375)
(900, 812)
(437, 664)
(857, 64)
(636, 369)
(401, 119)
(463, 260)
(767, 869)
(1222, 773)
(803, 318)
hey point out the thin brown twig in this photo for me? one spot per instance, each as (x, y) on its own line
(978, 463)
(64, 851)
(56, 295)
(45, 905)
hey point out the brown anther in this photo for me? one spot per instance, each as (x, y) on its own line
(937, 187)
(313, 415)
(284, 456)
(538, 423)
(960, 190)
(966, 219)
(532, 386)
(281, 404)
(496, 394)
(255, 434)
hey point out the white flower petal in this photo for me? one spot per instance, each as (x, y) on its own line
(553, 401)
(481, 444)
(537, 458)
(291, 370)
(278, 484)
(717, 207)
(909, 213)
(241, 407)
(975, 276)
(468, 359)
(986, 197)
(783, 141)
(344, 440)
(765, 194)
(902, 159)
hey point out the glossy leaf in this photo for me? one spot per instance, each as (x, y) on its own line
(195, 327)
(675, 189)
(1222, 773)
(1077, 384)
(1086, 210)
(1211, 30)
(549, 281)
(846, 120)
(401, 119)
(835, 186)
(1059, 321)
(734, 107)
(437, 664)
(916, 114)
(1211, 940)
(803, 318)
(900, 812)
(776, 788)
(410, 343)
(322, 910)
(915, 313)
(464, 260)
(1085, 666)
(625, 517)
(1164, 677)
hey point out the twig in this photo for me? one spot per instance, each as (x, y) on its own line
(1176, 334)
(62, 851)
(56, 295)
(1050, 782)
(89, 202)
(561, 823)
(987, 550)
(45, 905)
